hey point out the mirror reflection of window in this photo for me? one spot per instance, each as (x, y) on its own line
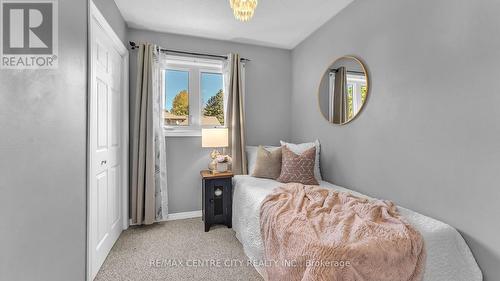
(350, 100)
(343, 90)
(355, 95)
(356, 85)
(364, 90)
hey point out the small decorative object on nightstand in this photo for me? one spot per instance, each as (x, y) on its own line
(217, 190)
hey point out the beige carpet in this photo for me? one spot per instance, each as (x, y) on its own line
(177, 250)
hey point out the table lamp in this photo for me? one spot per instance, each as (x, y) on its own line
(214, 138)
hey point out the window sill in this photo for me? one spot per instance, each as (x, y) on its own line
(182, 133)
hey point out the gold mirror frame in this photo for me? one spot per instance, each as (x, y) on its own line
(368, 87)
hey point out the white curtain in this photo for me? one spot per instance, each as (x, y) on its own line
(161, 194)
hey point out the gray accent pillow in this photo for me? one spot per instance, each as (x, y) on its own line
(267, 163)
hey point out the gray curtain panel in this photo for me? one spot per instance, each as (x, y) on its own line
(235, 113)
(340, 96)
(142, 184)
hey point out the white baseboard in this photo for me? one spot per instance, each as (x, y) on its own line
(184, 215)
(177, 216)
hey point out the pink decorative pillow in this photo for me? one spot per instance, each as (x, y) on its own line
(298, 168)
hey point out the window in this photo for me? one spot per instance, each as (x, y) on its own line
(193, 95)
(356, 94)
(212, 91)
(176, 112)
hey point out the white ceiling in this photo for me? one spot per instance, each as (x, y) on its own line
(276, 23)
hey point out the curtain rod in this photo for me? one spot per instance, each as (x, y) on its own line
(355, 72)
(133, 45)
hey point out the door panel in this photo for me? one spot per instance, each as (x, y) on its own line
(114, 206)
(101, 56)
(102, 115)
(105, 148)
(115, 116)
(102, 197)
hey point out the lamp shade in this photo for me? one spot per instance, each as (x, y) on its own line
(216, 137)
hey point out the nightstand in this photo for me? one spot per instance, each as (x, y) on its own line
(217, 190)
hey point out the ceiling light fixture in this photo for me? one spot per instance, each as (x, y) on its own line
(243, 9)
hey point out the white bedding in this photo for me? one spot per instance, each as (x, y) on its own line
(448, 256)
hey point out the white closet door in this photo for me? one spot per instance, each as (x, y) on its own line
(106, 148)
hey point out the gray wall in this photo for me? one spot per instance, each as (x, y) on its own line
(110, 11)
(428, 137)
(268, 90)
(43, 162)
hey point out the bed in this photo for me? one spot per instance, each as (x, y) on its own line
(448, 256)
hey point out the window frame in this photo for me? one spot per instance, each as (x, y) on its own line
(195, 67)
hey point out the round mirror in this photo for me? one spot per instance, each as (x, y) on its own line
(343, 90)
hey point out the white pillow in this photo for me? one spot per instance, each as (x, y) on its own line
(252, 156)
(300, 148)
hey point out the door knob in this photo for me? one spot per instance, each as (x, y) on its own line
(103, 162)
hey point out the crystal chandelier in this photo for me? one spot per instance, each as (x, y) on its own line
(243, 9)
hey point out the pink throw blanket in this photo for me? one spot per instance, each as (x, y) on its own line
(312, 233)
